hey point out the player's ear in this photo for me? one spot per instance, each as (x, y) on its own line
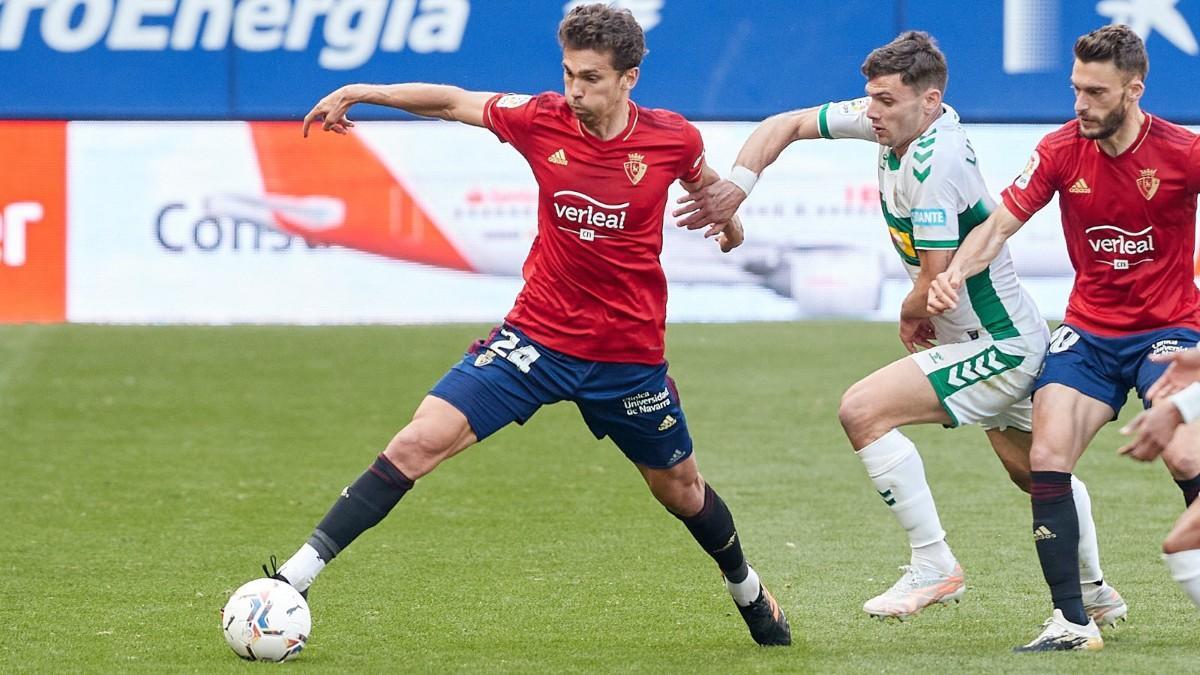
(932, 98)
(1136, 88)
(629, 78)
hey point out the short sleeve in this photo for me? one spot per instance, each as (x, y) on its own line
(509, 116)
(691, 167)
(846, 119)
(1193, 167)
(1035, 186)
(936, 203)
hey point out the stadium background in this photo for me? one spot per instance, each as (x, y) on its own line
(154, 173)
(210, 207)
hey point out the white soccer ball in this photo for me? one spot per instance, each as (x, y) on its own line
(266, 620)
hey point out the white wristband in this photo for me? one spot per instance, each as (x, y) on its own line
(1187, 400)
(743, 178)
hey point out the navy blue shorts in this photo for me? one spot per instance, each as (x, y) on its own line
(507, 377)
(1107, 368)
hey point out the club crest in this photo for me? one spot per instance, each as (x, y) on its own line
(1148, 183)
(635, 168)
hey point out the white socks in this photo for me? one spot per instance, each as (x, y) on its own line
(936, 556)
(1185, 568)
(747, 591)
(896, 471)
(1089, 548)
(302, 568)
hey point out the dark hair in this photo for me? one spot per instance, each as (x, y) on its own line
(604, 29)
(915, 56)
(1118, 44)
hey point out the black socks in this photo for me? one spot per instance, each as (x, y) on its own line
(1056, 535)
(714, 530)
(360, 507)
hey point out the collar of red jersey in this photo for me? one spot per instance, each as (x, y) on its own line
(629, 127)
(1143, 134)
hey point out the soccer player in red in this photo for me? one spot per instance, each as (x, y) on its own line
(589, 324)
(1127, 184)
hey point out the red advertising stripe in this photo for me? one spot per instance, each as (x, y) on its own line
(380, 216)
(33, 222)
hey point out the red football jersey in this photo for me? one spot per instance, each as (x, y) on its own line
(1129, 221)
(594, 286)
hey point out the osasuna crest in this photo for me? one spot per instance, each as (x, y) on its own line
(485, 357)
(1148, 183)
(635, 168)
(513, 100)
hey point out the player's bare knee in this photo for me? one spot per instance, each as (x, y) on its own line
(858, 415)
(1018, 473)
(1181, 539)
(1020, 477)
(681, 494)
(417, 449)
(1182, 453)
(1045, 457)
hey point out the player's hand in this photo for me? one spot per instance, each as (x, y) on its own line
(916, 334)
(709, 206)
(1184, 370)
(731, 236)
(943, 292)
(1151, 430)
(331, 112)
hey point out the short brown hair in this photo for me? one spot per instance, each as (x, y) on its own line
(1118, 44)
(604, 29)
(915, 56)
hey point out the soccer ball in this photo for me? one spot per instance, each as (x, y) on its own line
(266, 620)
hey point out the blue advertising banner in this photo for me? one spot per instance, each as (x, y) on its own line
(1011, 61)
(271, 59)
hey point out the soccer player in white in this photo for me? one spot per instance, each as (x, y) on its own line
(988, 350)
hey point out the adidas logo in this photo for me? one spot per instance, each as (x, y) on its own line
(1043, 532)
(559, 157)
(675, 456)
(667, 423)
(346, 492)
(1080, 188)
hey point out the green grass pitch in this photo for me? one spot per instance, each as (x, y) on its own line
(147, 472)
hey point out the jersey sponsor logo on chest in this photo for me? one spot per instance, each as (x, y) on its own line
(1111, 239)
(577, 208)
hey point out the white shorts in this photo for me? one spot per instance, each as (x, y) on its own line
(986, 382)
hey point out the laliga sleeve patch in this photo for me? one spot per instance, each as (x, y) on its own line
(513, 100)
(1027, 174)
(856, 106)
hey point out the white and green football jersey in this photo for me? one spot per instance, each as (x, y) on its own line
(932, 197)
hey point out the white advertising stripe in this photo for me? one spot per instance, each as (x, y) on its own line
(173, 223)
(144, 247)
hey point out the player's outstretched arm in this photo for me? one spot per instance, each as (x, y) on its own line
(717, 203)
(975, 253)
(428, 100)
(729, 234)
